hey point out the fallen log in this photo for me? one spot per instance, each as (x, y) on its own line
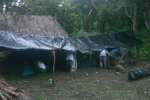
(8, 92)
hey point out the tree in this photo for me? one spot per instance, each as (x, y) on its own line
(88, 15)
(135, 10)
(146, 14)
(7, 4)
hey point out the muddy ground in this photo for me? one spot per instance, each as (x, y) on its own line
(85, 84)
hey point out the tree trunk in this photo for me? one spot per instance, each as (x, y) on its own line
(147, 19)
(104, 26)
(86, 24)
(132, 14)
(135, 19)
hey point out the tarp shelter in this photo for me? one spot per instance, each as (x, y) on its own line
(19, 41)
(27, 42)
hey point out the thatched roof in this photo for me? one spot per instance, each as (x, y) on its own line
(37, 25)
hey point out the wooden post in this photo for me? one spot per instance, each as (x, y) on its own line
(53, 72)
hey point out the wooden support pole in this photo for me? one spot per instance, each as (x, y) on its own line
(52, 79)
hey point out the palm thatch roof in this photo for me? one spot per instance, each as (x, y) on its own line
(36, 25)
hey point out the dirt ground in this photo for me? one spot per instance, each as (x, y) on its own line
(85, 84)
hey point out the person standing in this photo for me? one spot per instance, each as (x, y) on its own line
(104, 59)
(71, 61)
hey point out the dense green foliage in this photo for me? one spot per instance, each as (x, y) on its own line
(88, 17)
(144, 52)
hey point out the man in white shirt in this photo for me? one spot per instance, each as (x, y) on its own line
(104, 58)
